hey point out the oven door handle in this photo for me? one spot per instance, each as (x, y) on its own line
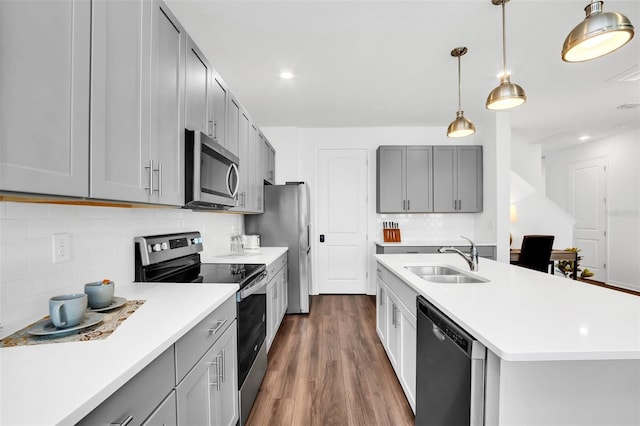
(255, 287)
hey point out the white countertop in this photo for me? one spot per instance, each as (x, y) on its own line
(264, 255)
(59, 383)
(525, 315)
(431, 243)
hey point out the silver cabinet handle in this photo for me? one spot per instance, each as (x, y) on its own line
(159, 170)
(150, 168)
(404, 203)
(408, 205)
(210, 132)
(459, 204)
(125, 422)
(217, 373)
(223, 357)
(218, 326)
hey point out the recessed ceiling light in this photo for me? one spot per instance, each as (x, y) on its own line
(584, 137)
(286, 75)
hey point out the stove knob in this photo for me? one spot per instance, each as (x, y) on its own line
(165, 246)
(157, 247)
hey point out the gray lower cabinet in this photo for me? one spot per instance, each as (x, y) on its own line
(45, 71)
(208, 395)
(193, 382)
(457, 179)
(137, 399)
(486, 251)
(404, 179)
(277, 296)
(165, 414)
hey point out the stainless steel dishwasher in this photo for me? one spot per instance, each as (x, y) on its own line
(450, 371)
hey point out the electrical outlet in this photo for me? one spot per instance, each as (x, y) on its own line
(61, 248)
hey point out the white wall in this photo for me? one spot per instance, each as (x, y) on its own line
(101, 247)
(623, 198)
(306, 142)
(526, 161)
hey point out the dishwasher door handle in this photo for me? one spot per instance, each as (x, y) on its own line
(437, 332)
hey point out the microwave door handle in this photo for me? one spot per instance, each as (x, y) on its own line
(232, 169)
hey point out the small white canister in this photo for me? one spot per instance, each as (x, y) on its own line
(251, 242)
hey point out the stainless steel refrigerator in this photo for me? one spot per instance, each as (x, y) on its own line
(285, 223)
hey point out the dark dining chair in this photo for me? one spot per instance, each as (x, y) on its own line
(535, 252)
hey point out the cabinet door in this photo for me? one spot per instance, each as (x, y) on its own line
(381, 311)
(233, 123)
(264, 148)
(245, 165)
(208, 395)
(393, 330)
(44, 81)
(167, 100)
(271, 312)
(120, 64)
(197, 80)
(218, 103)
(165, 414)
(419, 179)
(257, 179)
(271, 164)
(469, 165)
(391, 179)
(407, 337)
(445, 179)
(225, 409)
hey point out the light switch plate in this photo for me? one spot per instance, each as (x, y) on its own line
(61, 248)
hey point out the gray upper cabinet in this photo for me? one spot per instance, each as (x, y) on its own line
(404, 179)
(268, 161)
(44, 82)
(233, 121)
(257, 187)
(197, 90)
(120, 63)
(168, 43)
(457, 177)
(218, 104)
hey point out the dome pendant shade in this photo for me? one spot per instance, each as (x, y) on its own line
(600, 33)
(460, 127)
(506, 95)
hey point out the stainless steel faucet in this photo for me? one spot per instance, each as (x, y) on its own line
(471, 258)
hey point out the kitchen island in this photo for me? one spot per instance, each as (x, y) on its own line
(558, 351)
(60, 383)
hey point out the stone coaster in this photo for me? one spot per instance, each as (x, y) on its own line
(112, 319)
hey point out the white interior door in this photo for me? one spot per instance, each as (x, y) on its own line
(342, 218)
(587, 192)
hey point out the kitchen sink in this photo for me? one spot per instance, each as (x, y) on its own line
(454, 279)
(444, 274)
(421, 270)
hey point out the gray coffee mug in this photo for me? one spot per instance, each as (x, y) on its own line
(100, 293)
(67, 310)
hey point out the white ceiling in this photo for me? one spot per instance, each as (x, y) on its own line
(388, 63)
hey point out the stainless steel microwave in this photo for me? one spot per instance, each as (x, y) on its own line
(211, 173)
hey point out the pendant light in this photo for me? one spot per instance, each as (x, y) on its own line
(460, 127)
(600, 33)
(507, 94)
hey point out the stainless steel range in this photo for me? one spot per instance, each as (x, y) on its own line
(175, 258)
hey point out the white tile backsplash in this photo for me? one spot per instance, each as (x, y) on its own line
(101, 247)
(430, 227)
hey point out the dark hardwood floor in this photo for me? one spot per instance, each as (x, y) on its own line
(329, 368)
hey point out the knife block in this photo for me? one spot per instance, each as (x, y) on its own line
(391, 235)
